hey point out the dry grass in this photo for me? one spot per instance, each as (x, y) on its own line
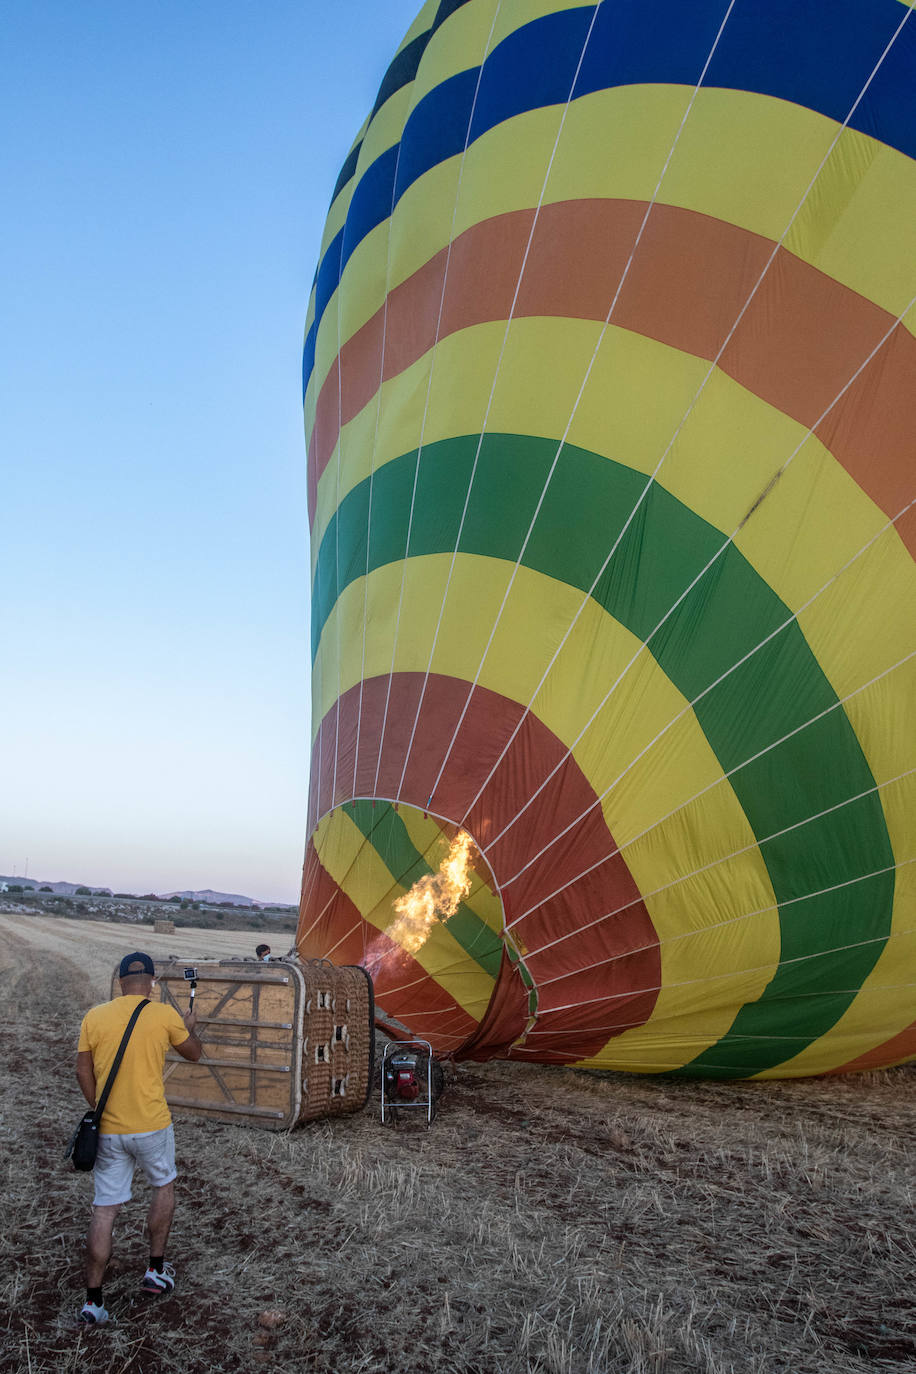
(550, 1222)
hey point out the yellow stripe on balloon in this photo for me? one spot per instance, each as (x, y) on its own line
(459, 45)
(885, 999)
(386, 128)
(426, 835)
(422, 24)
(337, 215)
(522, 12)
(762, 194)
(337, 212)
(686, 1019)
(860, 192)
(873, 715)
(485, 904)
(637, 395)
(470, 33)
(874, 599)
(471, 354)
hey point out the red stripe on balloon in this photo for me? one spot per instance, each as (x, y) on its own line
(798, 343)
(900, 1047)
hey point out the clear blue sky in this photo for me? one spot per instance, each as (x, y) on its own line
(166, 169)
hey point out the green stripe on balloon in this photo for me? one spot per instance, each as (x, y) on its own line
(389, 837)
(729, 612)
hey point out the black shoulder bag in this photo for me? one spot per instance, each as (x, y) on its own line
(84, 1142)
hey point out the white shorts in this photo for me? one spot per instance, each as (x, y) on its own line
(118, 1156)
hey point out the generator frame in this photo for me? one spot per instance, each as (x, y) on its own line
(393, 1105)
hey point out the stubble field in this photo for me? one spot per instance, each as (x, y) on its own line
(550, 1221)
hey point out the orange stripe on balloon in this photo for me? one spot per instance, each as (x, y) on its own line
(899, 1047)
(797, 345)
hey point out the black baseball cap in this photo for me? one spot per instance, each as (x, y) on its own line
(136, 963)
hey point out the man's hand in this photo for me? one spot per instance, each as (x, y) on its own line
(191, 1048)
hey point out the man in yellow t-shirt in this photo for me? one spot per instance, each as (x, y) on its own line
(136, 1125)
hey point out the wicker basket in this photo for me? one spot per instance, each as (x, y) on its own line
(338, 1048)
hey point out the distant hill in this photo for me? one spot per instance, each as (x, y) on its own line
(63, 889)
(204, 895)
(208, 895)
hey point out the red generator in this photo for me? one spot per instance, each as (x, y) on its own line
(411, 1077)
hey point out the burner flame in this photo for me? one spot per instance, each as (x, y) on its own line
(434, 897)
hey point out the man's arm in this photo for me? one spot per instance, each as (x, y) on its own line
(85, 1075)
(191, 1048)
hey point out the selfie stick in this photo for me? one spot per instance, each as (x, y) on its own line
(191, 977)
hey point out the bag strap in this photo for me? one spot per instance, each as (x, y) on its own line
(109, 1082)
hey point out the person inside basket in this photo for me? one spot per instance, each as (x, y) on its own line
(136, 1125)
(263, 953)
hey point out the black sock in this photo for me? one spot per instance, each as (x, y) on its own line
(94, 1295)
(156, 1262)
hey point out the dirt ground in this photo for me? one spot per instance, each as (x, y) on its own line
(550, 1222)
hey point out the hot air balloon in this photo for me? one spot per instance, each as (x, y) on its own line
(609, 384)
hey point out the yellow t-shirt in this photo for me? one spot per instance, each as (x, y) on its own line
(137, 1100)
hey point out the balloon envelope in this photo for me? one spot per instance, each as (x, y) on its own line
(608, 381)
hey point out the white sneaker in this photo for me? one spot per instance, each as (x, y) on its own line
(157, 1283)
(92, 1315)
